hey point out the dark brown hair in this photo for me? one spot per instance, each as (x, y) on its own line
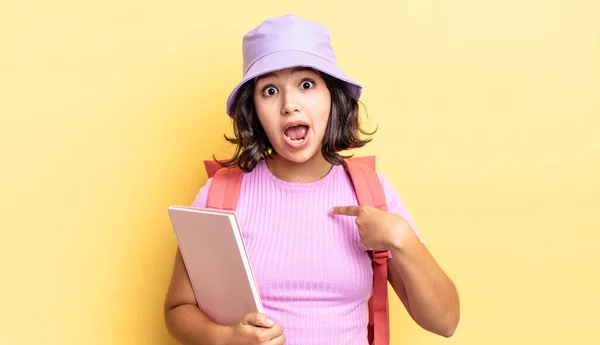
(252, 144)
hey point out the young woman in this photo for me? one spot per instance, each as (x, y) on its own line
(307, 239)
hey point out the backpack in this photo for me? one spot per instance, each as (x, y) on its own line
(224, 193)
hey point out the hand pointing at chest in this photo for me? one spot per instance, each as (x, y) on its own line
(378, 229)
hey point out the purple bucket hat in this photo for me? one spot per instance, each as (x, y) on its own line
(289, 41)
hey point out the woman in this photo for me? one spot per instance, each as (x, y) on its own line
(307, 239)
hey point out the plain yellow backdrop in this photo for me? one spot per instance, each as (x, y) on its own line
(488, 115)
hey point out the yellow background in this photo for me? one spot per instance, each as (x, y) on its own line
(489, 122)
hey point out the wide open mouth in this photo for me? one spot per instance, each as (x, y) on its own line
(296, 133)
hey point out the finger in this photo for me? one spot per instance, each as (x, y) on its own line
(280, 340)
(258, 320)
(266, 335)
(346, 210)
(274, 332)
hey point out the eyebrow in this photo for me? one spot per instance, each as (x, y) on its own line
(297, 69)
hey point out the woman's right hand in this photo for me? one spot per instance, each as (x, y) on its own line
(255, 329)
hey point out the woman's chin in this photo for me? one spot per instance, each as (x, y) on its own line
(298, 156)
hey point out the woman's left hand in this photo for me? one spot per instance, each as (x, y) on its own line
(378, 229)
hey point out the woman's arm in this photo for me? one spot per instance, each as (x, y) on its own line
(184, 320)
(428, 294)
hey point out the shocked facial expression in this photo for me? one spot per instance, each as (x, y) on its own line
(293, 107)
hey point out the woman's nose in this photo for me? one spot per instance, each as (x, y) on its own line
(290, 104)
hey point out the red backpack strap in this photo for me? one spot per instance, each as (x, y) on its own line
(225, 187)
(369, 192)
(364, 160)
(212, 167)
(366, 182)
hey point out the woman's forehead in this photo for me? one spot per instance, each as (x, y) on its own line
(291, 70)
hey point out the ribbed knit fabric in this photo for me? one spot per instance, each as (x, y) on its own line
(313, 273)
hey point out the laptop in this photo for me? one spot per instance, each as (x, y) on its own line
(216, 261)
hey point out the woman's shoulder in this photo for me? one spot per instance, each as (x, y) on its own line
(201, 199)
(391, 194)
(395, 203)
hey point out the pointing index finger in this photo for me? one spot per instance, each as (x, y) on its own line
(345, 210)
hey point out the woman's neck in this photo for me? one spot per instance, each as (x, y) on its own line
(312, 170)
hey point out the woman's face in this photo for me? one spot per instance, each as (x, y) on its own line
(293, 107)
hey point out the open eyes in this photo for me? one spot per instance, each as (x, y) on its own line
(307, 84)
(271, 90)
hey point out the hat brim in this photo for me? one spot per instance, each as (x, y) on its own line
(294, 58)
